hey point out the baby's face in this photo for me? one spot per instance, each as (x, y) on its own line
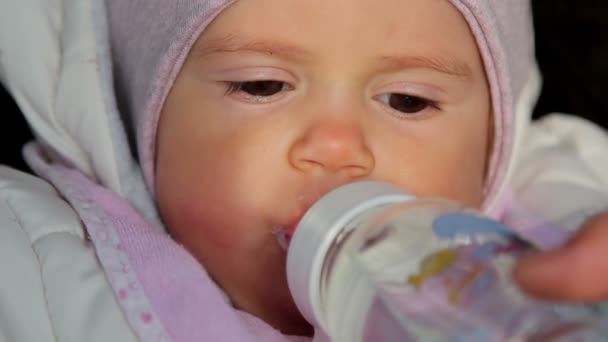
(281, 101)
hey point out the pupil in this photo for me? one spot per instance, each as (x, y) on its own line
(406, 103)
(262, 88)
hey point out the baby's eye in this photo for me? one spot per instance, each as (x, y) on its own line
(407, 104)
(257, 88)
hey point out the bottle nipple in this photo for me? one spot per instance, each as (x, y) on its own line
(282, 236)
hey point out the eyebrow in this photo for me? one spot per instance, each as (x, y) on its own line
(448, 66)
(232, 43)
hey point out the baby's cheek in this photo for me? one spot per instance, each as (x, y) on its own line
(197, 227)
(210, 243)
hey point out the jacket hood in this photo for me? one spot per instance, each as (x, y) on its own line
(55, 61)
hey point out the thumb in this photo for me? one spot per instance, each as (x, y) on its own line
(575, 272)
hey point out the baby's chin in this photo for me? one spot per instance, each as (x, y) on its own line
(268, 298)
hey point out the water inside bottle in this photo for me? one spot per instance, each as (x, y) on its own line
(465, 294)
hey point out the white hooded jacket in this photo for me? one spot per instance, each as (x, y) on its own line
(57, 68)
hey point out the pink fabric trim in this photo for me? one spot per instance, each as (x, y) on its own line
(499, 82)
(165, 293)
(115, 261)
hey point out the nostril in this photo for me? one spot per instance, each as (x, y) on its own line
(347, 166)
(357, 170)
(332, 146)
(307, 165)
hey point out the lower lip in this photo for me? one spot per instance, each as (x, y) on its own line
(284, 235)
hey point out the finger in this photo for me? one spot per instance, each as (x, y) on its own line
(576, 272)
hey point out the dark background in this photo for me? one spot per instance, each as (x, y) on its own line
(572, 50)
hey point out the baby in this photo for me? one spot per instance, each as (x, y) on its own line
(244, 113)
(281, 112)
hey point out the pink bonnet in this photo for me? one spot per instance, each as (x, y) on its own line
(151, 38)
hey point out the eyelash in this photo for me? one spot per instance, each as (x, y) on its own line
(424, 105)
(236, 87)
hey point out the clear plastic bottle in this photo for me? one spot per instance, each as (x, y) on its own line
(369, 262)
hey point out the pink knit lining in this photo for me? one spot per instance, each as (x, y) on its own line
(487, 42)
(168, 71)
(498, 80)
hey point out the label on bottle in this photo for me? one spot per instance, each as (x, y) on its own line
(465, 292)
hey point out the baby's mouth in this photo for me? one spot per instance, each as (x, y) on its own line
(282, 236)
(320, 187)
(283, 233)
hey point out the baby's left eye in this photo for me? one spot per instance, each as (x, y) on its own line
(407, 104)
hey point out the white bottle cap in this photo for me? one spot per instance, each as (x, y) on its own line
(316, 233)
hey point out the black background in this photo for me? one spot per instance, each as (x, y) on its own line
(572, 50)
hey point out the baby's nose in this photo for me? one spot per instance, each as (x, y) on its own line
(336, 146)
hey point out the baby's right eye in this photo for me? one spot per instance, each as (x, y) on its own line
(257, 89)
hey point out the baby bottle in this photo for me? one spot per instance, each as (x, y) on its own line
(369, 262)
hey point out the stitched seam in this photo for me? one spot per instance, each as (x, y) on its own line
(60, 229)
(46, 301)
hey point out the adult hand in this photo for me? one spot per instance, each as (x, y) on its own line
(576, 272)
